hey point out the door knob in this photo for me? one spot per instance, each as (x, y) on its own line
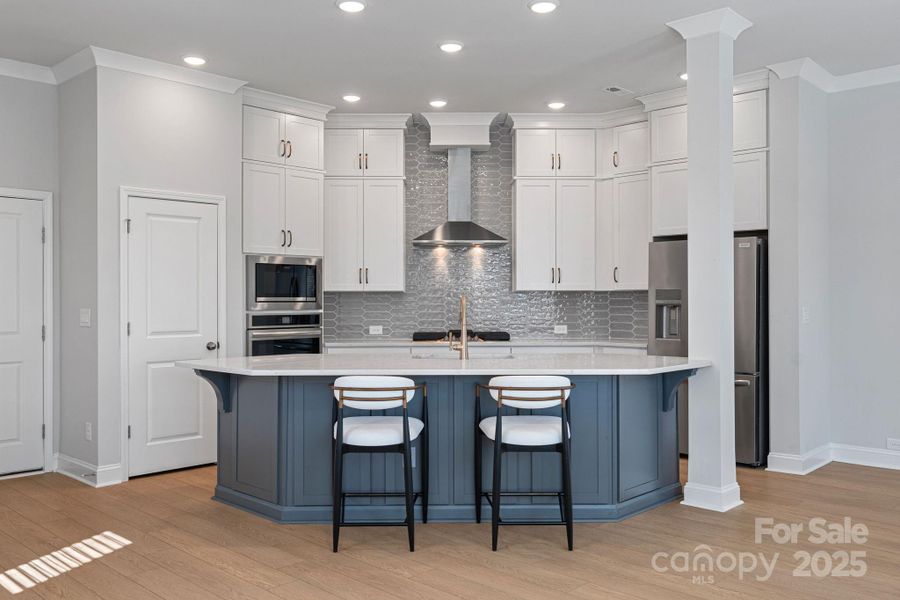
(212, 345)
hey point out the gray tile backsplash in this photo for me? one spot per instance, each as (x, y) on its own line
(435, 277)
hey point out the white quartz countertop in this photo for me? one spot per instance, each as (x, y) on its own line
(335, 365)
(539, 342)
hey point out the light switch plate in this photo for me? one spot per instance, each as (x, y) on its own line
(893, 444)
(561, 329)
(376, 330)
(88, 431)
(84, 317)
(804, 314)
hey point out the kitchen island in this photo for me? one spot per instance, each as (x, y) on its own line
(275, 435)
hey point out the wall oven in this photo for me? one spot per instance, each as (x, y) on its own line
(284, 283)
(273, 333)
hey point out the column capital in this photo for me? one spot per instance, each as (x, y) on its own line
(722, 20)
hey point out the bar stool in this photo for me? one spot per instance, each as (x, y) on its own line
(378, 434)
(524, 433)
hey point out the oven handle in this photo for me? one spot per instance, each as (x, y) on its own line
(280, 334)
(293, 299)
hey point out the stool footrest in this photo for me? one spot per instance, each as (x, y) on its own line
(416, 495)
(374, 524)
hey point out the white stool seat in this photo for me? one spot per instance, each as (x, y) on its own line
(378, 431)
(526, 430)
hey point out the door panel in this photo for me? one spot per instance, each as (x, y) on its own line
(669, 193)
(383, 153)
(575, 235)
(745, 419)
(263, 209)
(535, 152)
(746, 304)
(263, 135)
(306, 148)
(632, 231)
(343, 152)
(384, 237)
(576, 153)
(343, 235)
(751, 185)
(606, 239)
(21, 348)
(303, 217)
(632, 146)
(534, 238)
(668, 134)
(173, 311)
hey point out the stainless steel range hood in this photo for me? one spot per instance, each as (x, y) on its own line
(459, 229)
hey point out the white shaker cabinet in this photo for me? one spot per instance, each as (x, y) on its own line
(283, 139)
(282, 211)
(555, 152)
(364, 235)
(364, 152)
(669, 193)
(623, 150)
(623, 233)
(554, 234)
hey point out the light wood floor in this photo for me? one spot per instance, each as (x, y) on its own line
(186, 546)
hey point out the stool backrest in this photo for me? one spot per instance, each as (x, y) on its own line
(540, 391)
(373, 392)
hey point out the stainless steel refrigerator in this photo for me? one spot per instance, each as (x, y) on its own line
(668, 302)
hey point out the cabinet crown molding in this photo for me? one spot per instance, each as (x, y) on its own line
(368, 121)
(286, 104)
(811, 71)
(92, 56)
(613, 118)
(27, 71)
(746, 82)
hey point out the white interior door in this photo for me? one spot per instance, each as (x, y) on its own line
(21, 346)
(173, 309)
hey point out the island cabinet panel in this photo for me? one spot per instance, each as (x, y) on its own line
(647, 438)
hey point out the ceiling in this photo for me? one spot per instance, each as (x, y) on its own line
(513, 60)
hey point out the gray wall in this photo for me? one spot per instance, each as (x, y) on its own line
(864, 164)
(436, 277)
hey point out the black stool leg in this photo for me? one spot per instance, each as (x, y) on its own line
(478, 476)
(567, 484)
(337, 495)
(408, 485)
(424, 467)
(495, 504)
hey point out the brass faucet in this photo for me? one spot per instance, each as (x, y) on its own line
(463, 344)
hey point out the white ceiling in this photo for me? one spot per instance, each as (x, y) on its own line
(513, 61)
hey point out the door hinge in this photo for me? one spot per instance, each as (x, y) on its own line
(43, 235)
(129, 432)
(127, 225)
(43, 431)
(128, 328)
(43, 333)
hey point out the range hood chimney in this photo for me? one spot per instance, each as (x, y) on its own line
(459, 134)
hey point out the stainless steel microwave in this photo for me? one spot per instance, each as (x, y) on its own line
(284, 283)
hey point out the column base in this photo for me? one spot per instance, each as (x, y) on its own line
(719, 499)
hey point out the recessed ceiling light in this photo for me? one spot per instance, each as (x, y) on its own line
(556, 105)
(194, 60)
(351, 6)
(683, 76)
(451, 47)
(351, 98)
(542, 7)
(438, 103)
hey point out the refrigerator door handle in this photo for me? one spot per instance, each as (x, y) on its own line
(741, 383)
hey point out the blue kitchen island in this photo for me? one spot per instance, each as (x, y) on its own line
(275, 435)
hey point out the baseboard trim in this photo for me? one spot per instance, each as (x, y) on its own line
(719, 499)
(804, 464)
(87, 473)
(800, 464)
(868, 457)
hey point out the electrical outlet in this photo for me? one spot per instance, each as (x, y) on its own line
(893, 444)
(376, 330)
(804, 314)
(84, 317)
(88, 431)
(561, 329)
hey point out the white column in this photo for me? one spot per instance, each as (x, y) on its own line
(712, 482)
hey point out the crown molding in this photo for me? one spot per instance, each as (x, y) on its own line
(28, 71)
(746, 82)
(92, 57)
(722, 20)
(286, 104)
(810, 71)
(552, 121)
(368, 121)
(623, 116)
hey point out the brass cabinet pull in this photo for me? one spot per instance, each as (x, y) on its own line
(290, 238)
(367, 275)
(558, 275)
(367, 161)
(359, 161)
(283, 238)
(616, 158)
(290, 149)
(616, 274)
(360, 276)
(558, 162)
(281, 148)
(552, 275)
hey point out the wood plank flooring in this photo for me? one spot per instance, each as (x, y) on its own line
(185, 546)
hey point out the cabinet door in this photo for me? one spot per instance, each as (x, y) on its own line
(534, 238)
(631, 209)
(303, 218)
(263, 135)
(306, 145)
(342, 264)
(605, 151)
(263, 209)
(575, 153)
(750, 125)
(669, 196)
(606, 240)
(383, 153)
(668, 134)
(384, 236)
(751, 191)
(575, 234)
(631, 148)
(344, 152)
(535, 153)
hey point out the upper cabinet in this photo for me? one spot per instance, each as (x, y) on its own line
(364, 152)
(283, 139)
(623, 150)
(668, 128)
(623, 233)
(555, 152)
